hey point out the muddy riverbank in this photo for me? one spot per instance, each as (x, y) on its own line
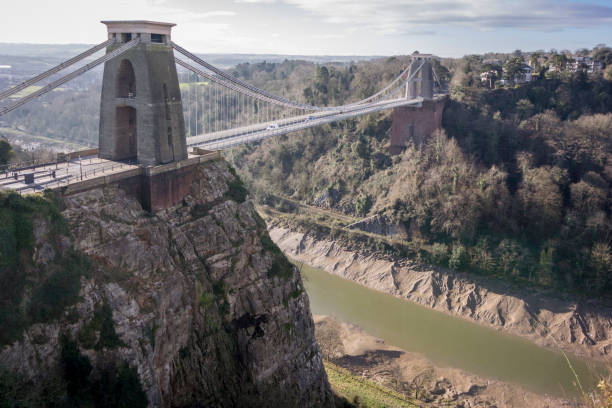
(417, 377)
(583, 328)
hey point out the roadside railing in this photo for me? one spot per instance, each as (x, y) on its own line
(59, 159)
(56, 175)
(73, 176)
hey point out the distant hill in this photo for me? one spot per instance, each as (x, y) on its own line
(42, 50)
(62, 51)
(231, 60)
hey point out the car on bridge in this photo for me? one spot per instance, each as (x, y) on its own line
(272, 126)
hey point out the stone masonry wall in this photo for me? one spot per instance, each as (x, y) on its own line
(415, 124)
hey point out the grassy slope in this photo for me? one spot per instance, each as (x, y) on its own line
(363, 392)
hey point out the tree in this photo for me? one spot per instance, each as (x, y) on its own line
(541, 202)
(559, 61)
(511, 257)
(586, 198)
(360, 148)
(601, 261)
(534, 216)
(513, 67)
(534, 60)
(604, 55)
(129, 392)
(494, 72)
(524, 108)
(608, 73)
(363, 204)
(6, 152)
(459, 258)
(76, 367)
(582, 52)
(322, 76)
(441, 71)
(546, 265)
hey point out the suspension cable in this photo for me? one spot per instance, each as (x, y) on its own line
(63, 65)
(70, 76)
(267, 100)
(275, 99)
(232, 140)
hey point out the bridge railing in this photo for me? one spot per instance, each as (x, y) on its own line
(59, 158)
(74, 177)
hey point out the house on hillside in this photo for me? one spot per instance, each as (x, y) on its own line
(585, 63)
(488, 78)
(525, 75)
(521, 76)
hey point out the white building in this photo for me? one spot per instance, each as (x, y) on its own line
(488, 77)
(585, 63)
(521, 77)
(525, 75)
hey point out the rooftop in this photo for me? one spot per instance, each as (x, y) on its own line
(138, 26)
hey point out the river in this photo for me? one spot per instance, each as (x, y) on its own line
(447, 340)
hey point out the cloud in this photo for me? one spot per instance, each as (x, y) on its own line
(216, 13)
(409, 16)
(255, 1)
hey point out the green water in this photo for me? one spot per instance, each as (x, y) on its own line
(446, 340)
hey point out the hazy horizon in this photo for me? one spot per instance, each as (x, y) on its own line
(343, 56)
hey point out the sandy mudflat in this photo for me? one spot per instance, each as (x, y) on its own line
(415, 376)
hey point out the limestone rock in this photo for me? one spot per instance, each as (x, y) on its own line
(193, 303)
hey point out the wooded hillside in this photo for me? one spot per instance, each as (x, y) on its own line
(516, 184)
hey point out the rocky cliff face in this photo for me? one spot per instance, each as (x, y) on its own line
(197, 299)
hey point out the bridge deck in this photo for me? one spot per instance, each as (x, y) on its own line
(86, 172)
(55, 175)
(231, 137)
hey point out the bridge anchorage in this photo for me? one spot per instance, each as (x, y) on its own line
(145, 134)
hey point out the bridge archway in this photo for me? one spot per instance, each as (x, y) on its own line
(125, 133)
(126, 80)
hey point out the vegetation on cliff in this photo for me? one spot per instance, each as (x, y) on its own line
(41, 277)
(516, 185)
(31, 294)
(112, 386)
(6, 152)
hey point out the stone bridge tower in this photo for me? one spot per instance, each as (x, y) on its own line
(141, 114)
(414, 124)
(422, 83)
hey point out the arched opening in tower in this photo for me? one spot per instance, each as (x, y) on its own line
(125, 133)
(126, 80)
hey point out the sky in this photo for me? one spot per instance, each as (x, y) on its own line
(448, 28)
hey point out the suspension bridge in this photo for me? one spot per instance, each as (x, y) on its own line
(142, 122)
